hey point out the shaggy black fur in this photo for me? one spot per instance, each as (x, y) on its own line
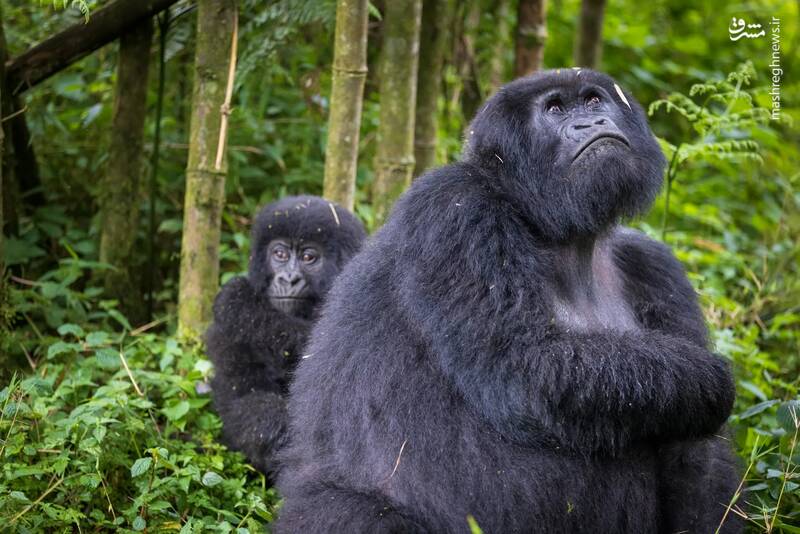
(502, 348)
(254, 346)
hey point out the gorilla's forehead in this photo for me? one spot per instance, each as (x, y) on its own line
(569, 80)
(307, 218)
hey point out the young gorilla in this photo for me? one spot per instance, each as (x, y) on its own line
(504, 349)
(261, 321)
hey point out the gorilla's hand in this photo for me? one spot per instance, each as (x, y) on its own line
(618, 388)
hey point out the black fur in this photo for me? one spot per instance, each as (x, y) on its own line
(255, 347)
(446, 377)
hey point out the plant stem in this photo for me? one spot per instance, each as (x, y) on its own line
(670, 177)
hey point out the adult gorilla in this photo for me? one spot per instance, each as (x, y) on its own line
(503, 349)
(261, 321)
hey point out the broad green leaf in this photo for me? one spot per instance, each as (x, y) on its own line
(211, 479)
(141, 466)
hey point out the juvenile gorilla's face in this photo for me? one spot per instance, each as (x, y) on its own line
(571, 148)
(295, 266)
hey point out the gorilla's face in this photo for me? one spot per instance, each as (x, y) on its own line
(582, 128)
(571, 148)
(296, 267)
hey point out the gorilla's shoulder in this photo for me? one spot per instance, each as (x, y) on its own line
(441, 197)
(641, 256)
(630, 239)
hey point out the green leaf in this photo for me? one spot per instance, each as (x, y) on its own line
(211, 479)
(70, 328)
(60, 347)
(108, 358)
(170, 226)
(177, 411)
(752, 388)
(139, 523)
(121, 319)
(757, 408)
(789, 415)
(96, 339)
(17, 251)
(141, 466)
(204, 366)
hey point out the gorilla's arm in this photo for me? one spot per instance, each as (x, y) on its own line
(656, 285)
(252, 346)
(480, 302)
(697, 477)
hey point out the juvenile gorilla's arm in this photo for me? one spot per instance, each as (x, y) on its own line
(252, 346)
(477, 277)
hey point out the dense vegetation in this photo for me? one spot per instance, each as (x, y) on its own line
(105, 421)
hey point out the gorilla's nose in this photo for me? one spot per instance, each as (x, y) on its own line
(584, 127)
(587, 124)
(584, 130)
(289, 279)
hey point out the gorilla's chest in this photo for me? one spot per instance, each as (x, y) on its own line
(587, 293)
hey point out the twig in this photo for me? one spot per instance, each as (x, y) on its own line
(24, 281)
(145, 327)
(33, 327)
(226, 106)
(130, 375)
(28, 357)
(37, 501)
(735, 497)
(108, 498)
(786, 472)
(670, 178)
(397, 462)
(335, 215)
(18, 112)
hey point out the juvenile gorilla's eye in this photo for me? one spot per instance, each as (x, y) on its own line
(554, 106)
(280, 254)
(592, 100)
(309, 257)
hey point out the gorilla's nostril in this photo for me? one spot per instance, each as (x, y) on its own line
(600, 122)
(582, 126)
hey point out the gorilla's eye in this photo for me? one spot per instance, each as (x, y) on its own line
(309, 256)
(592, 100)
(280, 254)
(554, 106)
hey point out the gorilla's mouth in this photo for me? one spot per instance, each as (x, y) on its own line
(291, 305)
(600, 137)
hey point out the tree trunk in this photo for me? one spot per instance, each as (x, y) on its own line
(429, 82)
(394, 161)
(3, 53)
(10, 187)
(471, 95)
(531, 36)
(589, 43)
(55, 54)
(23, 158)
(206, 168)
(347, 92)
(497, 66)
(119, 190)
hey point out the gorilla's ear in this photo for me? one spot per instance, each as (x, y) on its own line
(498, 133)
